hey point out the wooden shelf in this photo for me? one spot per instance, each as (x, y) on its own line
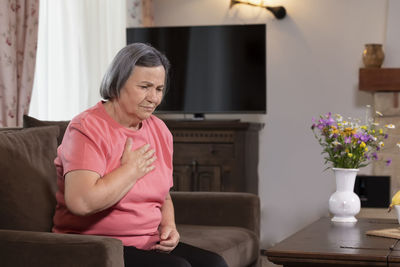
(379, 80)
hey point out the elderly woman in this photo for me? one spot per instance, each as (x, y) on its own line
(114, 167)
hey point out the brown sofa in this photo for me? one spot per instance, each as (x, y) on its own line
(227, 223)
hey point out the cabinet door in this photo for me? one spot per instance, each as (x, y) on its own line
(182, 175)
(209, 178)
(197, 178)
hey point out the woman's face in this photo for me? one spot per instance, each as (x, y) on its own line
(142, 92)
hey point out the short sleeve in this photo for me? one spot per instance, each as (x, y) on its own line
(83, 149)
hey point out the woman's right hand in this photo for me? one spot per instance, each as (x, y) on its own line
(138, 161)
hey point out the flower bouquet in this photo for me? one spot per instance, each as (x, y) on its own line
(348, 145)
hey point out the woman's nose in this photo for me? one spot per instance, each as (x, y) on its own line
(152, 95)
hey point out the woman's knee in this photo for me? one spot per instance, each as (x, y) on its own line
(181, 262)
(217, 260)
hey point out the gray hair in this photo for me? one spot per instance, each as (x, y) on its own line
(136, 54)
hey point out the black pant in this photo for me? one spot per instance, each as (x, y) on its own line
(183, 255)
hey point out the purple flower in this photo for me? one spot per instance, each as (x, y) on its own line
(328, 121)
(347, 139)
(374, 156)
(388, 162)
(365, 137)
(386, 136)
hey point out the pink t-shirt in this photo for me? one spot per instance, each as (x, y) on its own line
(94, 141)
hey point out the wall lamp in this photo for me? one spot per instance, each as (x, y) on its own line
(278, 11)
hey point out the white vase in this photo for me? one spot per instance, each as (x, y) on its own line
(344, 204)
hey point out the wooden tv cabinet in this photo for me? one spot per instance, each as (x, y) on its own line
(215, 155)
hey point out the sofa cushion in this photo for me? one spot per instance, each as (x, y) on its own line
(28, 178)
(238, 246)
(29, 121)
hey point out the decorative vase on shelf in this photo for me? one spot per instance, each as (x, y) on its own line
(373, 55)
(344, 204)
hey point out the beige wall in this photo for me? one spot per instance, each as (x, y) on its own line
(313, 57)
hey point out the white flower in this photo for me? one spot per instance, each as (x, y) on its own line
(375, 123)
(390, 126)
(335, 143)
(379, 113)
(339, 118)
(398, 145)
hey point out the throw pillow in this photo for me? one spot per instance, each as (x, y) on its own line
(29, 121)
(28, 179)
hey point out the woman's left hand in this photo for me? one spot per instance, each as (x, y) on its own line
(169, 239)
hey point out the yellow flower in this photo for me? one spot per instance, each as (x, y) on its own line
(364, 127)
(347, 150)
(349, 131)
(349, 155)
(334, 130)
(362, 145)
(380, 131)
(366, 149)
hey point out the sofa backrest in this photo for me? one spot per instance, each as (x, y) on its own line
(28, 179)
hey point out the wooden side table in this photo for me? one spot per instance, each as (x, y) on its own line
(325, 243)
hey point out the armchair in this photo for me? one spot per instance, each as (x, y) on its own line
(227, 223)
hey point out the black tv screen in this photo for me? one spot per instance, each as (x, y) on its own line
(214, 69)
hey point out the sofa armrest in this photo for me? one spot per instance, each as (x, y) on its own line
(218, 208)
(25, 248)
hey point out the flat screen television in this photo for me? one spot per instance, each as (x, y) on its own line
(214, 69)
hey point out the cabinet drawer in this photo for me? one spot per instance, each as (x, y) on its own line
(188, 152)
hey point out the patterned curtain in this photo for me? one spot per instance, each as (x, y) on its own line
(139, 13)
(18, 42)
